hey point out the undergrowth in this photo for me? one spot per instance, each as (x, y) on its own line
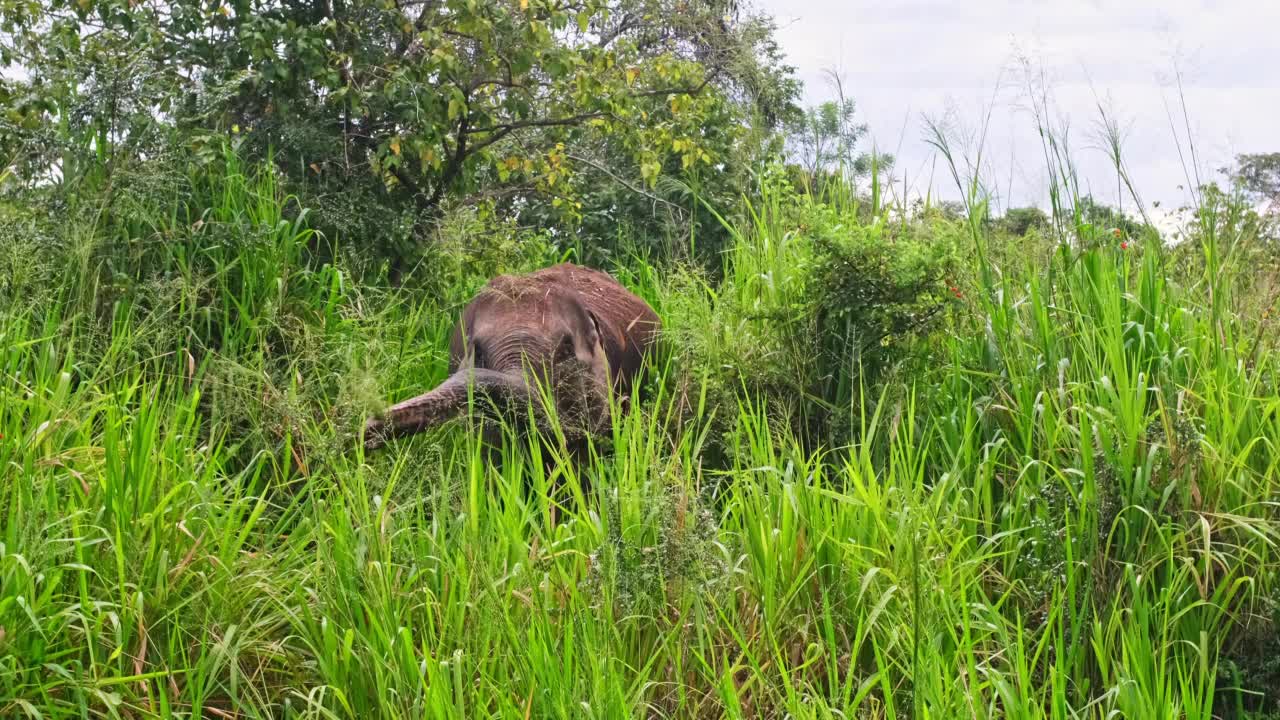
(885, 466)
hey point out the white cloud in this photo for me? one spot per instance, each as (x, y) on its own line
(901, 59)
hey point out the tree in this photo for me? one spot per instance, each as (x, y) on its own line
(1259, 175)
(824, 139)
(406, 102)
(826, 136)
(754, 96)
(1103, 218)
(1018, 221)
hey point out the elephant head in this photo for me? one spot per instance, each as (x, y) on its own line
(572, 331)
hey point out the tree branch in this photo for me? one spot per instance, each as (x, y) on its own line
(623, 25)
(639, 191)
(694, 90)
(454, 165)
(408, 38)
(407, 181)
(546, 122)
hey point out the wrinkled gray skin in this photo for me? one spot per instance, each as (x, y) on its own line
(576, 330)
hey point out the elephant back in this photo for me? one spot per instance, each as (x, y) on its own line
(628, 326)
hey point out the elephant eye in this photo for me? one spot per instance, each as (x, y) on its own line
(565, 350)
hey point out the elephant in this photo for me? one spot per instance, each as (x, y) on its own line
(577, 331)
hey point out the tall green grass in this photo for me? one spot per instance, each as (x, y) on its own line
(1071, 514)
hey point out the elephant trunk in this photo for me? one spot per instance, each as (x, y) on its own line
(445, 402)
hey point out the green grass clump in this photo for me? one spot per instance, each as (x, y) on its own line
(1062, 504)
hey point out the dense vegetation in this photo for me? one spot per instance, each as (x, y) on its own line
(892, 461)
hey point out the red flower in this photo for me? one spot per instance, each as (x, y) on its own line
(1124, 245)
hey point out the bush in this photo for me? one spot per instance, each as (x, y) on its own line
(815, 306)
(877, 291)
(470, 245)
(28, 240)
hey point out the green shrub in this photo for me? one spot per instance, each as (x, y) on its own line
(815, 305)
(878, 290)
(470, 245)
(29, 247)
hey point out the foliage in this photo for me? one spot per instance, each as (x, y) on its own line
(402, 107)
(826, 136)
(817, 303)
(459, 265)
(1019, 221)
(26, 238)
(1094, 221)
(1052, 493)
(1084, 518)
(824, 139)
(879, 289)
(1259, 173)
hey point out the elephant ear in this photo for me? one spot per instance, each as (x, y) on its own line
(593, 344)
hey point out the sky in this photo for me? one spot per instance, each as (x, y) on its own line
(904, 60)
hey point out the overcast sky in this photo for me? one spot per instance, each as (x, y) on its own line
(904, 59)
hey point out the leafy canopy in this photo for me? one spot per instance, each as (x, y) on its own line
(429, 98)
